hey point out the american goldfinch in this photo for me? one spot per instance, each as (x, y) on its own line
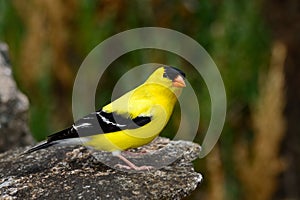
(132, 120)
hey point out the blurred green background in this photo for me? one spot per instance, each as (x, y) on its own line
(255, 44)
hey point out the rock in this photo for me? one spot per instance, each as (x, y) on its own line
(14, 105)
(77, 173)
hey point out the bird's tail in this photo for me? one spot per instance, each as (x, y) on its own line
(67, 136)
(41, 145)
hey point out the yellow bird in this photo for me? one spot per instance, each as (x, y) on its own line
(132, 120)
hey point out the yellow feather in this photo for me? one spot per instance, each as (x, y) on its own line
(156, 98)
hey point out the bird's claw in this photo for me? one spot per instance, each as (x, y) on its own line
(140, 168)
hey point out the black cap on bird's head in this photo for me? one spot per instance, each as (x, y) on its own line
(175, 75)
(169, 77)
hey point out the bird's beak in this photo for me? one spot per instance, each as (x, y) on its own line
(179, 82)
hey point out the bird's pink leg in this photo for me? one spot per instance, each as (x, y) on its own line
(130, 165)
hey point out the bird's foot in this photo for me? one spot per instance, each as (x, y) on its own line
(134, 167)
(130, 165)
(135, 154)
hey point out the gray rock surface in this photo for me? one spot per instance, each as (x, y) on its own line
(14, 105)
(76, 173)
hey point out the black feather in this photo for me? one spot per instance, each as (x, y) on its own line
(44, 145)
(91, 125)
(172, 73)
(119, 122)
(64, 134)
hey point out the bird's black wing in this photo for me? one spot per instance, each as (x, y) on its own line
(100, 122)
(112, 122)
